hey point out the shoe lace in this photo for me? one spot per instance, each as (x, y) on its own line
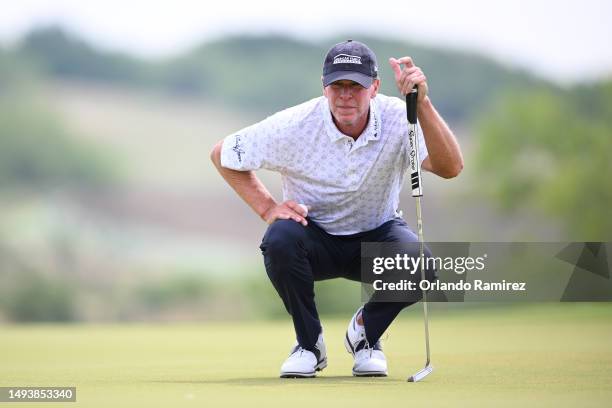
(364, 344)
(299, 349)
(367, 347)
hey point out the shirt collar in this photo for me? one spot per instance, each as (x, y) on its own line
(370, 133)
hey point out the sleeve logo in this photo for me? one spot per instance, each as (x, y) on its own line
(238, 148)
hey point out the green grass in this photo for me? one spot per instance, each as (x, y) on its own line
(540, 355)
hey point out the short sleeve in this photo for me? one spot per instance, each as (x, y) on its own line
(261, 145)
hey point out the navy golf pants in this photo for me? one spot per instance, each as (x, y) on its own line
(296, 256)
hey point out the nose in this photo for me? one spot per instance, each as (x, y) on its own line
(345, 92)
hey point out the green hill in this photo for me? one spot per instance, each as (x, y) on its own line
(267, 73)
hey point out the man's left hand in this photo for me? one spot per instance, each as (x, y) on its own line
(408, 77)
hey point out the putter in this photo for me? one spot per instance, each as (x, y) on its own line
(417, 192)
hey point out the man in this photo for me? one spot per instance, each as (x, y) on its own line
(342, 157)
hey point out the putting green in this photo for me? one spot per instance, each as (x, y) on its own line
(536, 355)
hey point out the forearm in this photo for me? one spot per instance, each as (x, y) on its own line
(445, 155)
(246, 184)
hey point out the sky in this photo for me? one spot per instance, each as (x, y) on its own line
(564, 40)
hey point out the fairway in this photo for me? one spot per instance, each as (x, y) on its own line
(529, 355)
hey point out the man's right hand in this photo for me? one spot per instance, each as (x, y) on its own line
(288, 210)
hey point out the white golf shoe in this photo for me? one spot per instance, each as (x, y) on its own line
(303, 363)
(370, 361)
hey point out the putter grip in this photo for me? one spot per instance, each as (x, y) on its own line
(411, 105)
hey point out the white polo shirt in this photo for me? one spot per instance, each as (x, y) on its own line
(350, 186)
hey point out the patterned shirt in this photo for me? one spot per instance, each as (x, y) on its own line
(350, 186)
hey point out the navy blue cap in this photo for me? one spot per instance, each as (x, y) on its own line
(350, 60)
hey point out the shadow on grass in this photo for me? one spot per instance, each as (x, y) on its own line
(280, 382)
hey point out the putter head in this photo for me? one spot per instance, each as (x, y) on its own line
(421, 373)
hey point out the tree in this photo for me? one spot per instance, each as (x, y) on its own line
(550, 150)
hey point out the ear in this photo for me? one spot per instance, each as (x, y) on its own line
(374, 88)
(324, 87)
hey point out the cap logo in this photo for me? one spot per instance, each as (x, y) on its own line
(347, 59)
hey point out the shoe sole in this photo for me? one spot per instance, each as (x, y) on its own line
(349, 348)
(369, 374)
(312, 374)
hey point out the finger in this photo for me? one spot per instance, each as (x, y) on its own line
(297, 217)
(305, 209)
(417, 78)
(297, 208)
(289, 216)
(294, 207)
(418, 81)
(408, 88)
(410, 70)
(407, 72)
(402, 81)
(275, 217)
(395, 66)
(407, 85)
(407, 61)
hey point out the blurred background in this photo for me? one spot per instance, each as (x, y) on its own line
(110, 209)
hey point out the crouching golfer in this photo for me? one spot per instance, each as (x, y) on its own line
(342, 157)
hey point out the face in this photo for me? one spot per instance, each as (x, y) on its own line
(349, 102)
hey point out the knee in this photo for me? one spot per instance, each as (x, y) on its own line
(283, 239)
